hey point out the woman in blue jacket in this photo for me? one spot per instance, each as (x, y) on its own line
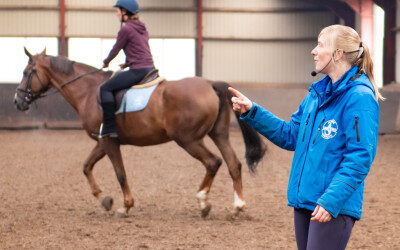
(334, 135)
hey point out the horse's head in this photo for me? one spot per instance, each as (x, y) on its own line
(34, 82)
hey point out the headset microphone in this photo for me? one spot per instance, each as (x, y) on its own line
(314, 73)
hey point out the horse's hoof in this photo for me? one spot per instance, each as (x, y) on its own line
(238, 210)
(205, 211)
(107, 203)
(121, 213)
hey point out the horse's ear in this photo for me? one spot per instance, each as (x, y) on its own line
(43, 52)
(28, 54)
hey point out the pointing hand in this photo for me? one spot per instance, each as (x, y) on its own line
(241, 103)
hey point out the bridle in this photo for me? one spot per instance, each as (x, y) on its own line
(31, 96)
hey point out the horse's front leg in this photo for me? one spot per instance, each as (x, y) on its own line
(96, 155)
(112, 149)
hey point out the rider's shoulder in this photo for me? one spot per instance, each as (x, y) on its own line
(124, 28)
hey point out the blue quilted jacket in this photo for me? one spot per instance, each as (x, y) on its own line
(334, 135)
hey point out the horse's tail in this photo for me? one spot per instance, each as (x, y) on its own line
(255, 148)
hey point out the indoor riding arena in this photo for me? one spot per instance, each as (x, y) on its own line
(50, 197)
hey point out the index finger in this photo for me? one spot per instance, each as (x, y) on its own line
(235, 92)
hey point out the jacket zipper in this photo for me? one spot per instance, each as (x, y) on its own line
(319, 128)
(357, 129)
(308, 144)
(305, 129)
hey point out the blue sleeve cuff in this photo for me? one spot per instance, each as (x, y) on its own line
(251, 113)
(328, 208)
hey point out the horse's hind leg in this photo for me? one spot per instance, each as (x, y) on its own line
(220, 136)
(198, 150)
(96, 154)
(112, 149)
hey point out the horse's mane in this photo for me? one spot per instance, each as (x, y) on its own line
(64, 65)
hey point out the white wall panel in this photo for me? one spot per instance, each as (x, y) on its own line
(170, 24)
(28, 2)
(106, 24)
(265, 25)
(91, 24)
(29, 23)
(96, 3)
(261, 61)
(142, 3)
(255, 4)
(167, 3)
(258, 62)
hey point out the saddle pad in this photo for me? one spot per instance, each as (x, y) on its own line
(135, 99)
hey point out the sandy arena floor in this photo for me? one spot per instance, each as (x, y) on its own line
(46, 202)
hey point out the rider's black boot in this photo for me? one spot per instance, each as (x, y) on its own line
(109, 127)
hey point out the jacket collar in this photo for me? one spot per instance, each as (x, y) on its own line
(326, 91)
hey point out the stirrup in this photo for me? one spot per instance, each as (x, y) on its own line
(111, 135)
(100, 134)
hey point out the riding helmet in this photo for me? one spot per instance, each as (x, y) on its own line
(130, 5)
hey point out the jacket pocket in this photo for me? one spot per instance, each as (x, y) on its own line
(357, 128)
(305, 129)
(319, 129)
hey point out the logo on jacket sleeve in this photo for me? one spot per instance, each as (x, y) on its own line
(329, 130)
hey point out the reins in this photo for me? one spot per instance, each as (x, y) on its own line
(58, 88)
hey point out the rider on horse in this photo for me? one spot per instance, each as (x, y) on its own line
(133, 38)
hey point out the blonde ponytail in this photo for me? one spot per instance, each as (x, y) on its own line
(364, 63)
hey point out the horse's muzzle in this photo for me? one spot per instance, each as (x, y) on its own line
(20, 103)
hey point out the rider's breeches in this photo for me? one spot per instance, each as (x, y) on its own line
(122, 80)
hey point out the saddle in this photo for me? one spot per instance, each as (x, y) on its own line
(152, 78)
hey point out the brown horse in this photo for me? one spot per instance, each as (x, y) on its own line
(184, 111)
